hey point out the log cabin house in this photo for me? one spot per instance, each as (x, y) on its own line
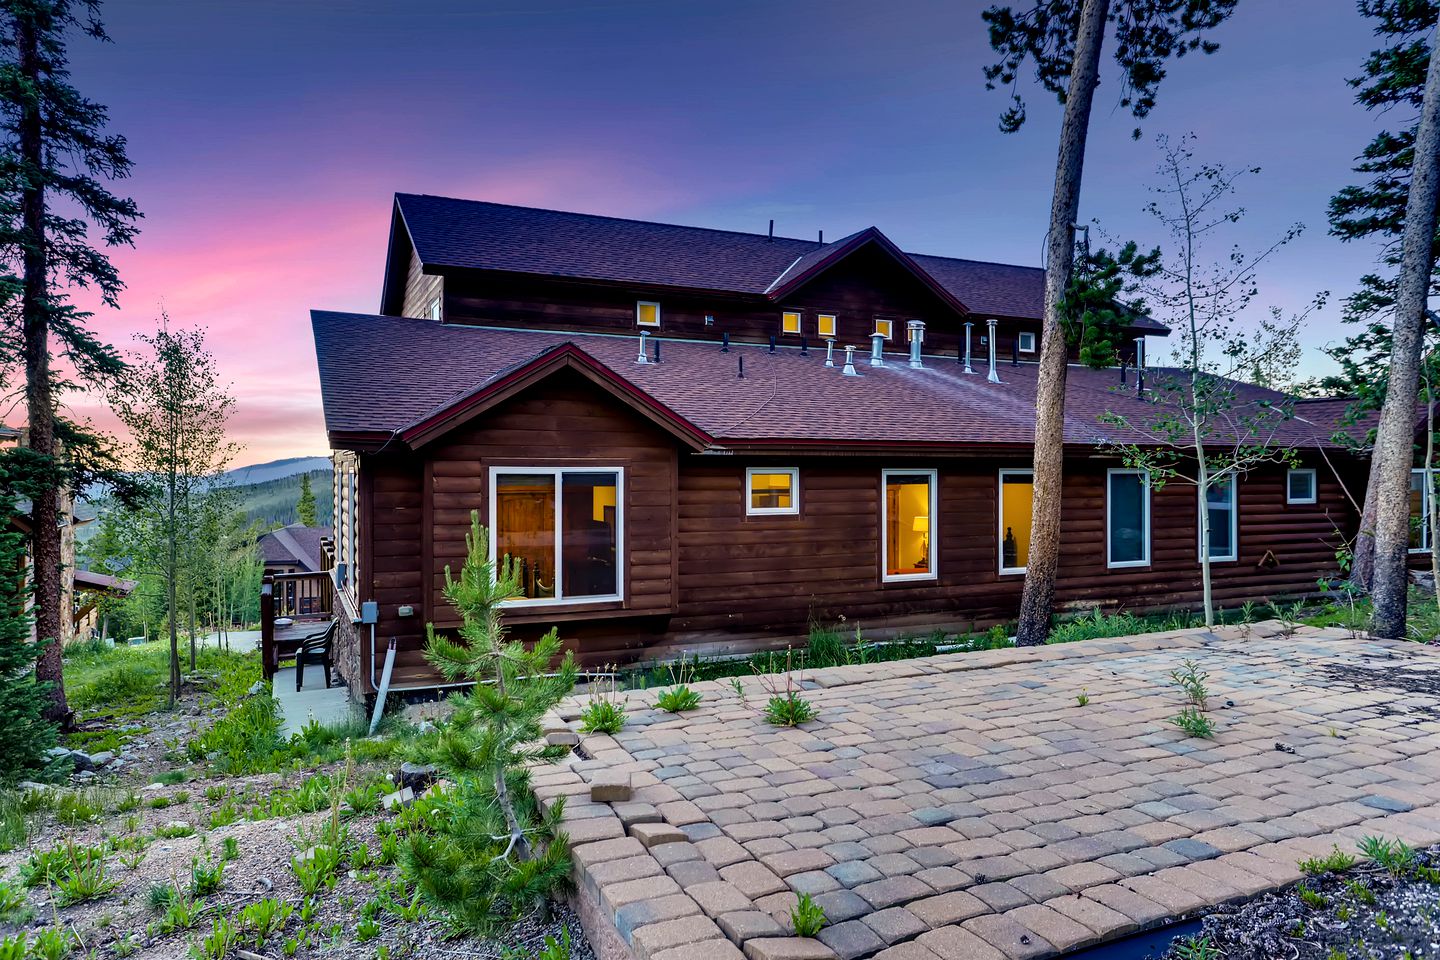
(700, 440)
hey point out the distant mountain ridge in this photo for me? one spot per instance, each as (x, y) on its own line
(276, 470)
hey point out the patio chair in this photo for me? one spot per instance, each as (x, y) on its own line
(316, 648)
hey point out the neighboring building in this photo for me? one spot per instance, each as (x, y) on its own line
(727, 495)
(295, 548)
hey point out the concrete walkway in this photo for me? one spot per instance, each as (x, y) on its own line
(327, 707)
(969, 807)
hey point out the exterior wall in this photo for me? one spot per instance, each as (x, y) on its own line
(420, 288)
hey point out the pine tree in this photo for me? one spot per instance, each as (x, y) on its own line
(1063, 38)
(305, 507)
(491, 855)
(54, 208)
(23, 698)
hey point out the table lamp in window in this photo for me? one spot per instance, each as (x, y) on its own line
(922, 527)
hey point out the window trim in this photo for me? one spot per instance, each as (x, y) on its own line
(647, 303)
(1000, 517)
(1204, 503)
(933, 553)
(1427, 490)
(1314, 485)
(1020, 341)
(820, 319)
(435, 309)
(889, 331)
(799, 316)
(558, 473)
(1144, 514)
(790, 511)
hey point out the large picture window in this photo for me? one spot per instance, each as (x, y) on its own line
(1127, 518)
(1220, 504)
(562, 528)
(907, 524)
(1017, 490)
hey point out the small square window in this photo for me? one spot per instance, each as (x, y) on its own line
(647, 313)
(790, 322)
(1027, 341)
(884, 327)
(772, 491)
(826, 325)
(1300, 486)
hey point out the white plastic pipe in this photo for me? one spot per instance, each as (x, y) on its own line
(384, 690)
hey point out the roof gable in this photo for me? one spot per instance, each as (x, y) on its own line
(811, 266)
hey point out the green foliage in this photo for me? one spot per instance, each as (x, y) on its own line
(23, 698)
(53, 943)
(229, 849)
(13, 907)
(807, 917)
(1336, 861)
(174, 831)
(206, 877)
(367, 929)
(1194, 723)
(602, 715)
(263, 919)
(789, 709)
(1196, 948)
(1095, 312)
(14, 948)
(1082, 699)
(678, 699)
(495, 733)
(305, 506)
(1311, 898)
(1191, 681)
(217, 943)
(1095, 626)
(82, 875)
(1397, 857)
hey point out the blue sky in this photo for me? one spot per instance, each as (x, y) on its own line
(268, 137)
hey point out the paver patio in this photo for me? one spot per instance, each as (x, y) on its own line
(966, 807)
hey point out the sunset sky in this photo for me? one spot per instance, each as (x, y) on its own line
(269, 136)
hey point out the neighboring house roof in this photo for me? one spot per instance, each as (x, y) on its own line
(476, 235)
(294, 545)
(102, 583)
(386, 378)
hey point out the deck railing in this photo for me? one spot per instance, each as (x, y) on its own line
(297, 596)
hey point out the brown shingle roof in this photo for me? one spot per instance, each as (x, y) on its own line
(295, 544)
(384, 375)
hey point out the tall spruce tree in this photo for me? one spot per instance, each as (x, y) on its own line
(1062, 38)
(55, 216)
(24, 731)
(1392, 81)
(305, 506)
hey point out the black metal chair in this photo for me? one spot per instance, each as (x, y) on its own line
(316, 648)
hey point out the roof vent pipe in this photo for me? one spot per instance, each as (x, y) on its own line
(850, 370)
(725, 342)
(657, 351)
(1139, 366)
(772, 229)
(742, 367)
(994, 376)
(644, 336)
(822, 236)
(804, 348)
(772, 344)
(1015, 352)
(877, 349)
(917, 339)
(968, 326)
(1122, 368)
(829, 351)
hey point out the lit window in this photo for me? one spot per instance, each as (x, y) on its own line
(1127, 518)
(790, 321)
(435, 308)
(1419, 512)
(1300, 486)
(1027, 341)
(647, 313)
(771, 490)
(884, 327)
(1017, 490)
(539, 515)
(826, 325)
(1220, 505)
(906, 519)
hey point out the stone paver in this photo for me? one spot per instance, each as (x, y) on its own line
(964, 807)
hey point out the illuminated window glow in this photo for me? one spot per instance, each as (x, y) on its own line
(790, 322)
(907, 523)
(541, 514)
(647, 313)
(884, 327)
(772, 490)
(826, 325)
(1017, 489)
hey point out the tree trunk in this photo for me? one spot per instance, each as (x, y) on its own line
(1395, 444)
(1432, 509)
(1362, 561)
(171, 601)
(1044, 559)
(39, 400)
(192, 627)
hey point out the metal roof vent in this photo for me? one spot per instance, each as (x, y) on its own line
(849, 369)
(917, 340)
(644, 337)
(829, 351)
(877, 349)
(968, 326)
(994, 376)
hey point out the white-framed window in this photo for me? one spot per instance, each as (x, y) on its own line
(647, 313)
(1420, 494)
(772, 491)
(885, 328)
(1027, 341)
(826, 325)
(907, 525)
(790, 322)
(1300, 486)
(563, 528)
(436, 308)
(1220, 504)
(1017, 496)
(1127, 517)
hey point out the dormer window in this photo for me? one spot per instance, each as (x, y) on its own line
(826, 325)
(647, 313)
(434, 310)
(790, 322)
(1027, 341)
(886, 328)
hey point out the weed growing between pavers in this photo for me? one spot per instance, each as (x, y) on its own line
(1384, 909)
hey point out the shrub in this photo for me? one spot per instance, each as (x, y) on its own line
(605, 713)
(678, 699)
(245, 739)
